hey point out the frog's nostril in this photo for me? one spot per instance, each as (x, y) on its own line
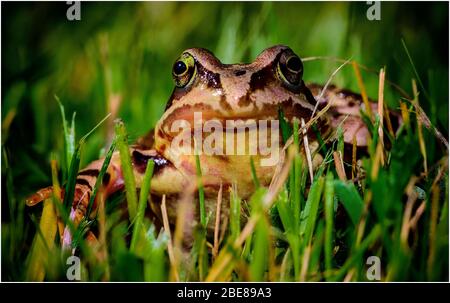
(239, 73)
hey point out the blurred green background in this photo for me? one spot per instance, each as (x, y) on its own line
(125, 51)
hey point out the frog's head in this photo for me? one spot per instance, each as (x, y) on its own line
(207, 88)
(226, 99)
(254, 90)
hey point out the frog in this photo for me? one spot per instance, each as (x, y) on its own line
(206, 87)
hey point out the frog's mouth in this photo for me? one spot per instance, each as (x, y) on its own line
(210, 129)
(225, 137)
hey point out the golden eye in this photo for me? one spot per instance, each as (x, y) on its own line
(290, 68)
(183, 70)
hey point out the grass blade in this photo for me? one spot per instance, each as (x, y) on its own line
(329, 214)
(69, 136)
(254, 175)
(43, 243)
(201, 193)
(295, 191)
(99, 180)
(350, 198)
(127, 169)
(143, 197)
(309, 214)
(235, 213)
(72, 179)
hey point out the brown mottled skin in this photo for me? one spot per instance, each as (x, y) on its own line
(222, 91)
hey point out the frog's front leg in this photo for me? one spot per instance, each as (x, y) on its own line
(166, 179)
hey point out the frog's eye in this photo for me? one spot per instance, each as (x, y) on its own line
(183, 70)
(290, 68)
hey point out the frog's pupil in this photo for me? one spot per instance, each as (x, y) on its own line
(179, 68)
(294, 64)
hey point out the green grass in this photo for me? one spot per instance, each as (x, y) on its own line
(117, 60)
(201, 192)
(127, 168)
